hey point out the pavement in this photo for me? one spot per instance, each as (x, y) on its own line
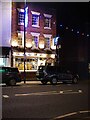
(35, 82)
(29, 82)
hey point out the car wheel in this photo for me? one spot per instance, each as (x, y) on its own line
(54, 81)
(75, 80)
(44, 82)
(12, 82)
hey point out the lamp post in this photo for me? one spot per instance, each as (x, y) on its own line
(24, 42)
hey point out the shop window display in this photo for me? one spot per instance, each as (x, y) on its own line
(30, 64)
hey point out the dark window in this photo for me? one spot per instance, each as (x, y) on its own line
(47, 22)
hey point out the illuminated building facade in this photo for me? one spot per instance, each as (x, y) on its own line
(40, 23)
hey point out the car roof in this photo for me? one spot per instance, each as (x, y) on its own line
(9, 67)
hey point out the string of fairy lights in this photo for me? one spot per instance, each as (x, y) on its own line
(79, 32)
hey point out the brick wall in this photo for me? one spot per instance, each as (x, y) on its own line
(36, 8)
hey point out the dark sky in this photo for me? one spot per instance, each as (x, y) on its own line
(70, 12)
(73, 14)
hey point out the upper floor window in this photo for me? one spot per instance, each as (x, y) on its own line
(47, 21)
(35, 19)
(21, 38)
(35, 40)
(47, 41)
(20, 16)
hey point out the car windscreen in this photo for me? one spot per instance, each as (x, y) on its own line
(51, 69)
(13, 70)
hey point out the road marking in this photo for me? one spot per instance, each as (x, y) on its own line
(63, 91)
(38, 93)
(70, 114)
(66, 115)
(50, 93)
(5, 96)
(86, 111)
(80, 91)
(70, 92)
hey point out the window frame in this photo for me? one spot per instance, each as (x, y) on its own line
(35, 35)
(38, 18)
(22, 11)
(21, 33)
(47, 16)
(48, 36)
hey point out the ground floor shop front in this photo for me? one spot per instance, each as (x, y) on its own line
(29, 67)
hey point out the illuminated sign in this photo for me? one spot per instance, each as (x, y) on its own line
(55, 41)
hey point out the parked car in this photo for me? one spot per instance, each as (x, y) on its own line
(54, 74)
(9, 75)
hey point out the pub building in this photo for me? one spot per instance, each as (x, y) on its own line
(40, 37)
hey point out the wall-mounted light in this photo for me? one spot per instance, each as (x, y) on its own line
(28, 45)
(41, 46)
(53, 56)
(14, 43)
(53, 47)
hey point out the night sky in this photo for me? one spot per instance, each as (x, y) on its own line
(70, 12)
(73, 14)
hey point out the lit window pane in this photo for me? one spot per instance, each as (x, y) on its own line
(35, 19)
(21, 17)
(35, 41)
(47, 42)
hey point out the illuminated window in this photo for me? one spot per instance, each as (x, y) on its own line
(47, 41)
(35, 40)
(47, 21)
(35, 19)
(20, 39)
(30, 64)
(20, 16)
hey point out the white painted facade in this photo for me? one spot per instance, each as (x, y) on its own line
(5, 23)
(5, 29)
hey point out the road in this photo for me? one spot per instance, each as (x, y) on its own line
(46, 101)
